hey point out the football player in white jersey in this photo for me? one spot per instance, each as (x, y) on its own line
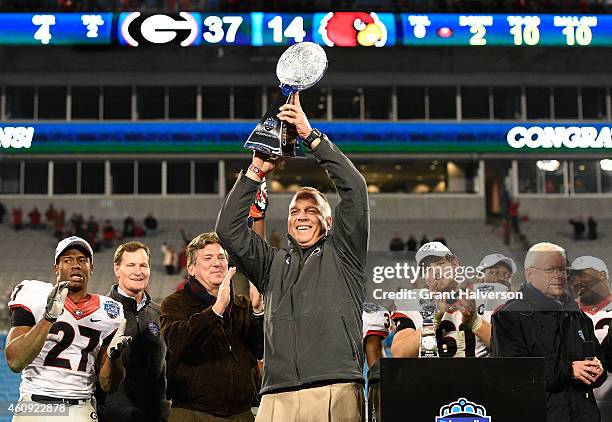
(376, 326)
(62, 338)
(497, 271)
(458, 325)
(589, 281)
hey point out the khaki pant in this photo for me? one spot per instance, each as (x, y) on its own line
(85, 411)
(178, 414)
(330, 403)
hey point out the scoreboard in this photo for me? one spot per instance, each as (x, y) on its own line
(331, 29)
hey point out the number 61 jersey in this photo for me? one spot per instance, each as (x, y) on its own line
(65, 367)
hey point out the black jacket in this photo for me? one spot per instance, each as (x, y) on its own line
(211, 360)
(536, 326)
(142, 394)
(313, 298)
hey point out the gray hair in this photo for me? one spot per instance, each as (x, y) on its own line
(532, 253)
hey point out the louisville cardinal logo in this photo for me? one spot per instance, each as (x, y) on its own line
(351, 29)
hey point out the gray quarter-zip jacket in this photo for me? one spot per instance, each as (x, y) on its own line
(313, 298)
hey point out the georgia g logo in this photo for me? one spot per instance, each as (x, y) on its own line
(135, 29)
(351, 29)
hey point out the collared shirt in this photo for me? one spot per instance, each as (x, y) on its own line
(140, 305)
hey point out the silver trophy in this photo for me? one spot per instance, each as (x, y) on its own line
(301, 66)
(429, 345)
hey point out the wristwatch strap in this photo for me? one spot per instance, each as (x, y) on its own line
(314, 134)
(259, 172)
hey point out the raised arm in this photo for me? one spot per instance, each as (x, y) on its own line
(246, 248)
(26, 338)
(351, 220)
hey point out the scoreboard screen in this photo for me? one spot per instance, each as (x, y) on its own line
(506, 30)
(331, 29)
(55, 28)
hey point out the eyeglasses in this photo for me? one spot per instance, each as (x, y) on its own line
(552, 272)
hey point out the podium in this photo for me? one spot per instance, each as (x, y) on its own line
(462, 390)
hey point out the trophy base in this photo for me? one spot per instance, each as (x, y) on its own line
(429, 345)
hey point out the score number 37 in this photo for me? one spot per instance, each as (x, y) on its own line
(216, 33)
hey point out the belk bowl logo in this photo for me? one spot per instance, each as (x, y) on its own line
(351, 29)
(112, 309)
(269, 124)
(463, 410)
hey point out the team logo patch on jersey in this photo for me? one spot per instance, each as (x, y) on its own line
(78, 313)
(463, 410)
(154, 328)
(112, 309)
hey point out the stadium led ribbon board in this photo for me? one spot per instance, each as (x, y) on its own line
(332, 29)
(56, 28)
(351, 137)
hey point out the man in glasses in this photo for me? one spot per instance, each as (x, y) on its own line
(589, 281)
(547, 323)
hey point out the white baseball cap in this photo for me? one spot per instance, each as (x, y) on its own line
(70, 242)
(494, 259)
(586, 262)
(431, 249)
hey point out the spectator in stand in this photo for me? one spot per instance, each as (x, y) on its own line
(35, 216)
(128, 227)
(108, 234)
(396, 244)
(60, 221)
(150, 224)
(513, 212)
(505, 231)
(170, 258)
(76, 222)
(411, 244)
(440, 239)
(579, 228)
(2, 212)
(592, 225)
(92, 227)
(424, 241)
(50, 216)
(17, 218)
(139, 230)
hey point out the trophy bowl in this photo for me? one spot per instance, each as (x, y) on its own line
(300, 66)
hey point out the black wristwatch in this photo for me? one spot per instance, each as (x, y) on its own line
(314, 134)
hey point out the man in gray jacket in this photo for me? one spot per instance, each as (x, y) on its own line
(313, 289)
